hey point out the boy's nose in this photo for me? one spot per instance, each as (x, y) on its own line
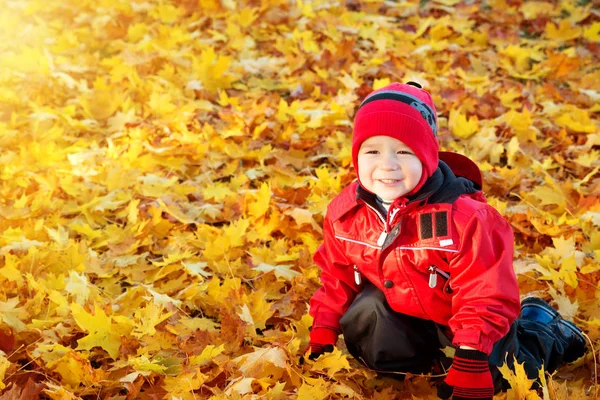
(389, 163)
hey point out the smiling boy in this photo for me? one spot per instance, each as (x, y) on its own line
(388, 167)
(414, 259)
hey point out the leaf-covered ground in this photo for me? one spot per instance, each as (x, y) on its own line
(165, 168)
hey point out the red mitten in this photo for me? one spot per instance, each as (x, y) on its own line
(469, 378)
(322, 340)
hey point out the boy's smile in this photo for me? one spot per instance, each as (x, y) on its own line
(387, 167)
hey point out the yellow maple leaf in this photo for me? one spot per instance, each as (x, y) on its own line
(521, 56)
(508, 99)
(567, 272)
(217, 192)
(542, 378)
(439, 32)
(327, 182)
(379, 83)
(160, 298)
(564, 247)
(234, 233)
(166, 13)
(301, 216)
(78, 287)
(534, 9)
(111, 201)
(203, 324)
(253, 363)
(207, 355)
(142, 363)
(135, 32)
(75, 370)
(592, 326)
(314, 389)
(256, 310)
(522, 62)
(10, 270)
(520, 384)
(549, 196)
(512, 150)
(4, 364)
(13, 315)
(28, 60)
(99, 328)
(261, 201)
(59, 235)
(588, 159)
(197, 269)
(577, 120)
(241, 386)
(592, 32)
(332, 363)
(307, 40)
(102, 102)
(461, 126)
(147, 318)
(182, 386)
(348, 81)
(566, 308)
(306, 8)
(173, 258)
(213, 70)
(161, 104)
(563, 32)
(281, 271)
(522, 123)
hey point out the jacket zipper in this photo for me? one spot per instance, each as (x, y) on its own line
(376, 212)
(384, 234)
(433, 274)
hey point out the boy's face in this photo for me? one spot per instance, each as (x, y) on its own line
(388, 167)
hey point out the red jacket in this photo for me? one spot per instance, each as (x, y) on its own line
(450, 262)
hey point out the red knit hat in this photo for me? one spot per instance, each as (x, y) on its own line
(405, 112)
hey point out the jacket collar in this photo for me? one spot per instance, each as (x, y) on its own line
(451, 187)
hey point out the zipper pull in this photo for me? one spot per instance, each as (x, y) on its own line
(357, 277)
(382, 238)
(432, 277)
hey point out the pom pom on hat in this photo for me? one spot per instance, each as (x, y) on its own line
(402, 111)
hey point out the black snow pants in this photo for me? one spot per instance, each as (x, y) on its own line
(388, 341)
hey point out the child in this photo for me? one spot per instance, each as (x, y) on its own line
(414, 260)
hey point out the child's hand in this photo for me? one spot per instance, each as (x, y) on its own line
(468, 378)
(322, 340)
(317, 350)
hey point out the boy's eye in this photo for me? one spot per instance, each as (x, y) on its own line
(404, 152)
(371, 152)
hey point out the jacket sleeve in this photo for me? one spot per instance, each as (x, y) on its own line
(486, 292)
(331, 300)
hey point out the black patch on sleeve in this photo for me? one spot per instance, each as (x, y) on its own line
(426, 226)
(441, 223)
